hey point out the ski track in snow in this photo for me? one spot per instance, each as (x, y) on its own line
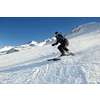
(31, 66)
(80, 69)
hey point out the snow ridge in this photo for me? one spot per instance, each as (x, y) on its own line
(26, 46)
(84, 29)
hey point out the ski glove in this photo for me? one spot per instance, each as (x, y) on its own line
(53, 44)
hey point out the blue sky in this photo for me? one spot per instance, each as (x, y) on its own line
(15, 31)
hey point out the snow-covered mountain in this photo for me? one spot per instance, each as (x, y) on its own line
(30, 65)
(29, 45)
(47, 41)
(84, 29)
(5, 49)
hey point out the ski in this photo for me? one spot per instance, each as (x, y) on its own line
(54, 59)
(59, 58)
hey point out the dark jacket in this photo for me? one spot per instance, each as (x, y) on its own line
(61, 39)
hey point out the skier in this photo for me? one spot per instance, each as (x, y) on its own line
(63, 44)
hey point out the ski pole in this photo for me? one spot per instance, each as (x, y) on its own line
(54, 50)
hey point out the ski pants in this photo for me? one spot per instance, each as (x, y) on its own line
(63, 47)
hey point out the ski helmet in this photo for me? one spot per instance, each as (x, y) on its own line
(56, 32)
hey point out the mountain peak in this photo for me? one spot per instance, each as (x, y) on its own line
(32, 42)
(83, 29)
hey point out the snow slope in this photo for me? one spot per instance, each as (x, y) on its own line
(30, 66)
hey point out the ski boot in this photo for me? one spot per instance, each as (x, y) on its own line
(70, 53)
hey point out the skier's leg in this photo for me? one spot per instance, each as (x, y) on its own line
(64, 46)
(66, 49)
(61, 49)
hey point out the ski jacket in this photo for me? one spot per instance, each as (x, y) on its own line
(61, 39)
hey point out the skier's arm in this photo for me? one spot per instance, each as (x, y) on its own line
(55, 43)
